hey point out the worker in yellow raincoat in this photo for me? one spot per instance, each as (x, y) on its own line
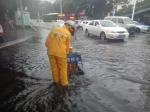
(58, 43)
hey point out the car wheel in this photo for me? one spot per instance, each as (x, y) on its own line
(138, 30)
(102, 36)
(87, 33)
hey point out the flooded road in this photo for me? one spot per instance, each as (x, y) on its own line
(116, 76)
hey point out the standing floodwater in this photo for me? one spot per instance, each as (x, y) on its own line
(26, 82)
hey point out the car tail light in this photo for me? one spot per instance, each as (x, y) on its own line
(1, 29)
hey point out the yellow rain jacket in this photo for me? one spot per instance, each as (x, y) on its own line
(58, 42)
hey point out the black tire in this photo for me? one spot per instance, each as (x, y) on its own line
(102, 36)
(87, 33)
(138, 30)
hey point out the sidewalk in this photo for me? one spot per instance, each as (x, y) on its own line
(13, 37)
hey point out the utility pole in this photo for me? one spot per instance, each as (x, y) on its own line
(38, 15)
(22, 14)
(133, 9)
(61, 7)
(38, 10)
(17, 5)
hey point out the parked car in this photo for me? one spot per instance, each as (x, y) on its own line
(82, 23)
(106, 29)
(1, 30)
(141, 28)
(86, 22)
(124, 22)
(1, 34)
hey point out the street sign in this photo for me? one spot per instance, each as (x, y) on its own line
(73, 57)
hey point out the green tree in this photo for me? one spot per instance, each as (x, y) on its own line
(93, 8)
(97, 8)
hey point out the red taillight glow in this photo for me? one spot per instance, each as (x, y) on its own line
(1, 29)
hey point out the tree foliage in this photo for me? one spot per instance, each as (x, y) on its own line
(7, 6)
(93, 8)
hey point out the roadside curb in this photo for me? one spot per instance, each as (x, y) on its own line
(6, 44)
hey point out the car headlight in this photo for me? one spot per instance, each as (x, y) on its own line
(109, 31)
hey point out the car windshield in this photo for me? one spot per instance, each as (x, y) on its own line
(88, 22)
(128, 21)
(107, 24)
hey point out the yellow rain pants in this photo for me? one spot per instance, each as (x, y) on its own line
(59, 68)
(57, 43)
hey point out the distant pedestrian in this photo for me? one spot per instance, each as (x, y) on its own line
(113, 12)
(10, 24)
(77, 26)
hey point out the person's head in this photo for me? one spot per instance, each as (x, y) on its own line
(70, 26)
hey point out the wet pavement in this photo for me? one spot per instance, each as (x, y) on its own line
(116, 76)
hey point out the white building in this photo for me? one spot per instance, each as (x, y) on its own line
(130, 3)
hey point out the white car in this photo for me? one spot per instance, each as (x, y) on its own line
(106, 29)
(82, 23)
(86, 23)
